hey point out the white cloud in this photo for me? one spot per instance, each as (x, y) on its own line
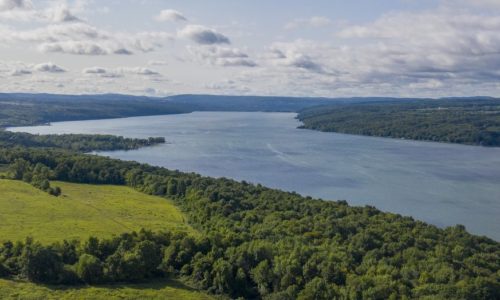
(60, 14)
(19, 68)
(15, 4)
(94, 70)
(23, 10)
(203, 35)
(300, 54)
(315, 22)
(119, 72)
(48, 67)
(123, 51)
(139, 71)
(429, 45)
(102, 72)
(17, 10)
(84, 39)
(74, 47)
(170, 15)
(421, 53)
(452, 48)
(222, 56)
(20, 72)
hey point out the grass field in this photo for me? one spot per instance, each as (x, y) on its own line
(157, 290)
(81, 211)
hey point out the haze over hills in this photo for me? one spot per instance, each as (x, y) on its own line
(44, 108)
(201, 102)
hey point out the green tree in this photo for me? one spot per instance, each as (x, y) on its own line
(263, 277)
(319, 289)
(89, 269)
(40, 264)
(223, 277)
(19, 168)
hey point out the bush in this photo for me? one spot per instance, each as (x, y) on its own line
(89, 269)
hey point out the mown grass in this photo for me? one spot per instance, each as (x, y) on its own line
(82, 211)
(156, 290)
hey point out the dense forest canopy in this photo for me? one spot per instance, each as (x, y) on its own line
(465, 121)
(37, 109)
(76, 142)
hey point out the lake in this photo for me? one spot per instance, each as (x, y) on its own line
(443, 184)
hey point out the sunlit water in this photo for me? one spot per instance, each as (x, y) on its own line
(443, 184)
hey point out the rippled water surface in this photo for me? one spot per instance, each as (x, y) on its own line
(443, 184)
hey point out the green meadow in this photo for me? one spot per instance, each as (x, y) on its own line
(156, 290)
(82, 211)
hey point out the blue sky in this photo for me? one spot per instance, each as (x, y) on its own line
(299, 48)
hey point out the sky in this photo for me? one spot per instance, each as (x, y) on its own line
(329, 48)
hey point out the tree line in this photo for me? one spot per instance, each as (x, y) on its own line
(473, 122)
(258, 242)
(39, 175)
(76, 142)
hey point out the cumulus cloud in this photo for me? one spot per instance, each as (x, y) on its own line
(315, 22)
(23, 10)
(203, 35)
(119, 72)
(139, 71)
(18, 10)
(73, 47)
(94, 70)
(304, 62)
(419, 53)
(222, 56)
(123, 51)
(19, 68)
(62, 14)
(20, 72)
(296, 55)
(84, 39)
(429, 45)
(15, 4)
(170, 15)
(48, 67)
(146, 41)
(446, 50)
(102, 72)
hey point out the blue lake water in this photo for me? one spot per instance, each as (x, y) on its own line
(443, 184)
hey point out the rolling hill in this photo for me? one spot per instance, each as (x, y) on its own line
(82, 211)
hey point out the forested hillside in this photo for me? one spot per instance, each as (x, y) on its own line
(35, 109)
(463, 121)
(76, 142)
